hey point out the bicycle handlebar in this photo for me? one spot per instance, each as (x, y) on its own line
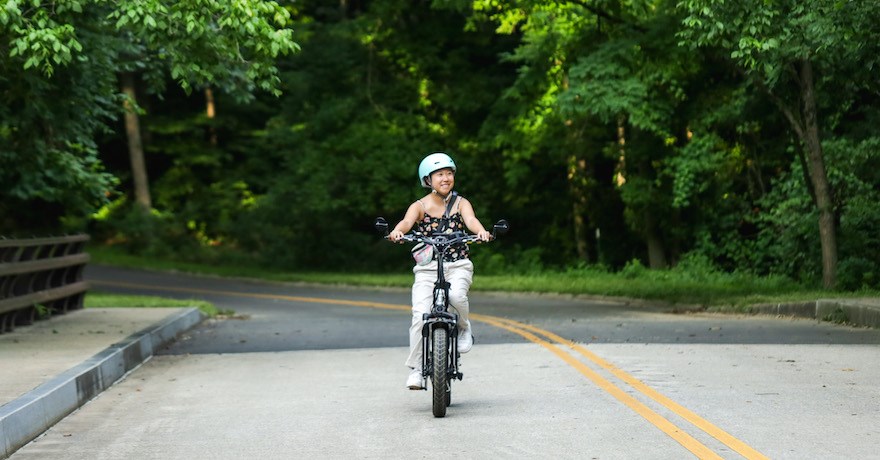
(501, 227)
(441, 239)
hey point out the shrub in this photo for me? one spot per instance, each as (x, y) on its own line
(633, 269)
(857, 273)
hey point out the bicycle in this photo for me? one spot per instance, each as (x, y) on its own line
(440, 356)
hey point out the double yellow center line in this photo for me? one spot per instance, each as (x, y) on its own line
(696, 447)
(556, 345)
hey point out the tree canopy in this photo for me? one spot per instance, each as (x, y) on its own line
(60, 63)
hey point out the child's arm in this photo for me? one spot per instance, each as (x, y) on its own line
(409, 219)
(470, 220)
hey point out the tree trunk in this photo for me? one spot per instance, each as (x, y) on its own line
(649, 230)
(656, 251)
(576, 173)
(806, 126)
(211, 112)
(819, 177)
(135, 145)
(620, 174)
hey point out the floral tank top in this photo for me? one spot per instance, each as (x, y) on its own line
(430, 225)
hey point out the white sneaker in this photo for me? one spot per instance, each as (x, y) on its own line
(465, 340)
(415, 380)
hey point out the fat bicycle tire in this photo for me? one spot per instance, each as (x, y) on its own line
(439, 373)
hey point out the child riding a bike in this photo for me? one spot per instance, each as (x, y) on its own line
(441, 211)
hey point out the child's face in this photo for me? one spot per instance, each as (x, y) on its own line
(443, 180)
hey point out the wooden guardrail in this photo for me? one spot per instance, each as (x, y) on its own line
(40, 277)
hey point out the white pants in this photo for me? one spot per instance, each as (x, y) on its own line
(460, 275)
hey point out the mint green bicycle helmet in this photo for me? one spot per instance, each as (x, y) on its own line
(431, 163)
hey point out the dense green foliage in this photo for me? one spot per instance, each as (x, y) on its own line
(658, 131)
(59, 66)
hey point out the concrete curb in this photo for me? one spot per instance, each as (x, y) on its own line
(843, 310)
(30, 415)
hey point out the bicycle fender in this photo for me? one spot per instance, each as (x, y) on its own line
(433, 320)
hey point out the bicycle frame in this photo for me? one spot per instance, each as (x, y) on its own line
(440, 316)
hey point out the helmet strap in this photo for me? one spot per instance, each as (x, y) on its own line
(444, 198)
(435, 192)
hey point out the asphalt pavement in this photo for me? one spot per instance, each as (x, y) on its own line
(51, 368)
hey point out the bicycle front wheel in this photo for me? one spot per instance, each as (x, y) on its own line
(439, 373)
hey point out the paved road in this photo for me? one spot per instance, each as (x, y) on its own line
(302, 376)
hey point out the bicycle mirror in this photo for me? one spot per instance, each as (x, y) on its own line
(381, 225)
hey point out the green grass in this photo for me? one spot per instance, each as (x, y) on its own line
(97, 299)
(695, 287)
